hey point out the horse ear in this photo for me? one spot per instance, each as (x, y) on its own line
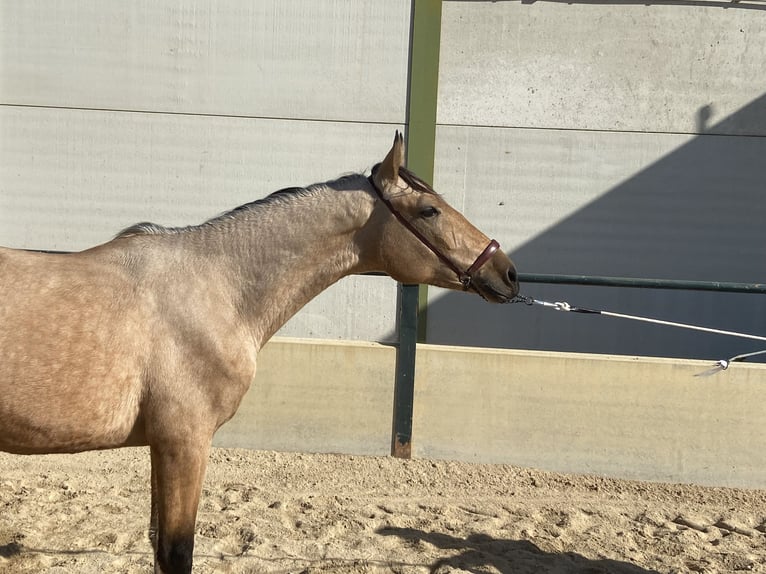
(388, 172)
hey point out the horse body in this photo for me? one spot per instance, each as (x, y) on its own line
(151, 338)
(65, 387)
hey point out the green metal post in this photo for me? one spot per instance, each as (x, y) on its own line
(421, 106)
(404, 386)
(421, 137)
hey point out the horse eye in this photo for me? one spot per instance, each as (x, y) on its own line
(429, 212)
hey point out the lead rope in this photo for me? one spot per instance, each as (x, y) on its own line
(721, 365)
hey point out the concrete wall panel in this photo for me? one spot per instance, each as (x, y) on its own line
(602, 138)
(325, 59)
(627, 417)
(519, 183)
(317, 396)
(71, 179)
(662, 67)
(612, 203)
(635, 418)
(669, 206)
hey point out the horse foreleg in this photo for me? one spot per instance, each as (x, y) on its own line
(153, 516)
(177, 471)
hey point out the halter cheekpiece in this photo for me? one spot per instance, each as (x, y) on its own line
(465, 277)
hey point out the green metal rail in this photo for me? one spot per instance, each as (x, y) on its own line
(720, 286)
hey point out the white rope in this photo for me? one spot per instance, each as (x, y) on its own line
(684, 326)
(564, 306)
(721, 365)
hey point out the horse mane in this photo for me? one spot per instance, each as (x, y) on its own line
(280, 197)
(143, 228)
(284, 196)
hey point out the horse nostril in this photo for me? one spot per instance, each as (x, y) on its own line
(513, 277)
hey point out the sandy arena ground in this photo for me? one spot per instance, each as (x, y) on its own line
(309, 514)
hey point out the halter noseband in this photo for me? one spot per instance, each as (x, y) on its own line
(465, 277)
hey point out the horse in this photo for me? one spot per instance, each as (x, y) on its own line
(151, 339)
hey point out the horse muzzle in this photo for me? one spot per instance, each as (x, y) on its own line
(498, 281)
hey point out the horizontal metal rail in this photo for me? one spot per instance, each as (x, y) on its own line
(720, 286)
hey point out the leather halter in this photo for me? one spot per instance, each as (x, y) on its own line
(465, 277)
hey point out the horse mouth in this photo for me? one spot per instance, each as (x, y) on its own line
(492, 295)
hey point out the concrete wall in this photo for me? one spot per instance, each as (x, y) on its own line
(603, 138)
(587, 137)
(113, 113)
(317, 396)
(650, 419)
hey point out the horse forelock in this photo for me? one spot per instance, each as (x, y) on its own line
(412, 180)
(415, 182)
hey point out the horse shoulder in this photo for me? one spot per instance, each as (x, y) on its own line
(201, 356)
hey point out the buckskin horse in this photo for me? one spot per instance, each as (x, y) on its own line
(151, 338)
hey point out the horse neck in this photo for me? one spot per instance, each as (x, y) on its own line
(282, 255)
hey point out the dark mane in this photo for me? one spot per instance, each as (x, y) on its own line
(279, 197)
(145, 228)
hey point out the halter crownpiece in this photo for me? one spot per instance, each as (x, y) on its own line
(465, 277)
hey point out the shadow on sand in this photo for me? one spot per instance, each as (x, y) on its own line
(477, 552)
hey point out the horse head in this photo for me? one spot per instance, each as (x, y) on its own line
(422, 239)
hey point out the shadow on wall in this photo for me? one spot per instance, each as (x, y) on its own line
(699, 213)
